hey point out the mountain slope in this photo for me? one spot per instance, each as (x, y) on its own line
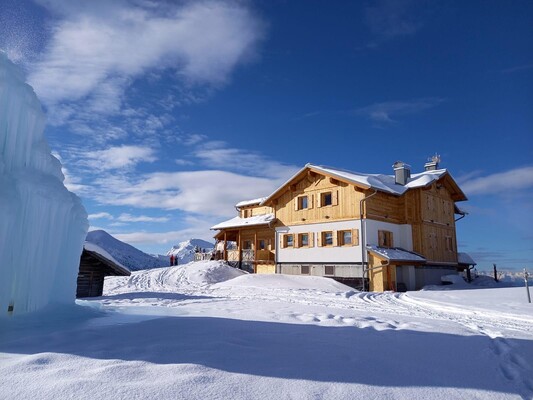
(185, 250)
(132, 258)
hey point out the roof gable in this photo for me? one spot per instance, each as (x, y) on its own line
(380, 182)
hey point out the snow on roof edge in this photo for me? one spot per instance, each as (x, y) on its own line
(250, 221)
(93, 248)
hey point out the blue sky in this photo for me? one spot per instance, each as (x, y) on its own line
(167, 113)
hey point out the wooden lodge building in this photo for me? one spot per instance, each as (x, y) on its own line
(95, 265)
(371, 231)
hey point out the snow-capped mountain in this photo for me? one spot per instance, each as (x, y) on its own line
(132, 258)
(185, 250)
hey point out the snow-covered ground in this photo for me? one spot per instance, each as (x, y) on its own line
(207, 331)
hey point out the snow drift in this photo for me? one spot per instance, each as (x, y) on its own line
(43, 225)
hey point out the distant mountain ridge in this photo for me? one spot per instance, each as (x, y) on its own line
(185, 250)
(129, 256)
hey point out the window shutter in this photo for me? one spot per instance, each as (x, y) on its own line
(319, 200)
(335, 198)
(310, 200)
(381, 238)
(335, 238)
(296, 240)
(282, 241)
(296, 204)
(319, 239)
(355, 237)
(311, 239)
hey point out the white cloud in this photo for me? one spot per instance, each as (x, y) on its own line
(100, 215)
(120, 157)
(98, 47)
(390, 19)
(141, 218)
(216, 155)
(508, 181)
(170, 238)
(384, 113)
(211, 192)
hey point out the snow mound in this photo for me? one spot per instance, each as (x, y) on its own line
(456, 280)
(190, 276)
(278, 281)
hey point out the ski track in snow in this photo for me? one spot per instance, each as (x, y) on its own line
(380, 311)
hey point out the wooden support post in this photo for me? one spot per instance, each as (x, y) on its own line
(255, 252)
(225, 246)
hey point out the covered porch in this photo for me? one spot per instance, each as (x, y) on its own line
(247, 245)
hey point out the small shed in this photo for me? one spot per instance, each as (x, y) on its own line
(95, 265)
(464, 264)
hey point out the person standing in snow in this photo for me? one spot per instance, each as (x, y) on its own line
(172, 260)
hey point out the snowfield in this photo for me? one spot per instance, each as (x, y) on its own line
(207, 331)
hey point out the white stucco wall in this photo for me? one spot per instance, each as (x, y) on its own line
(326, 254)
(402, 237)
(402, 234)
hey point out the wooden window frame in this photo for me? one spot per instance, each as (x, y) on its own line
(300, 203)
(285, 240)
(385, 239)
(306, 267)
(324, 196)
(324, 234)
(300, 239)
(340, 237)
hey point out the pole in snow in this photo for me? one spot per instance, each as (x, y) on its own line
(526, 275)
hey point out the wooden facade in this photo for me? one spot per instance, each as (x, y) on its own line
(93, 269)
(315, 197)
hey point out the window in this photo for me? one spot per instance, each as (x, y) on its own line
(304, 269)
(262, 244)
(288, 240)
(327, 238)
(247, 213)
(303, 239)
(302, 202)
(326, 199)
(345, 238)
(329, 270)
(247, 245)
(449, 243)
(385, 238)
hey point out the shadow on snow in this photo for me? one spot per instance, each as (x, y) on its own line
(328, 354)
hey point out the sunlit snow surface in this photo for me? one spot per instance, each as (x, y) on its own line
(42, 224)
(207, 331)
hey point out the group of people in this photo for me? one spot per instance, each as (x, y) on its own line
(173, 260)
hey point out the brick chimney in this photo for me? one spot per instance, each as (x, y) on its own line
(402, 172)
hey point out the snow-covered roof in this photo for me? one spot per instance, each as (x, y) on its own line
(465, 259)
(240, 222)
(381, 182)
(250, 202)
(385, 183)
(101, 253)
(396, 254)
